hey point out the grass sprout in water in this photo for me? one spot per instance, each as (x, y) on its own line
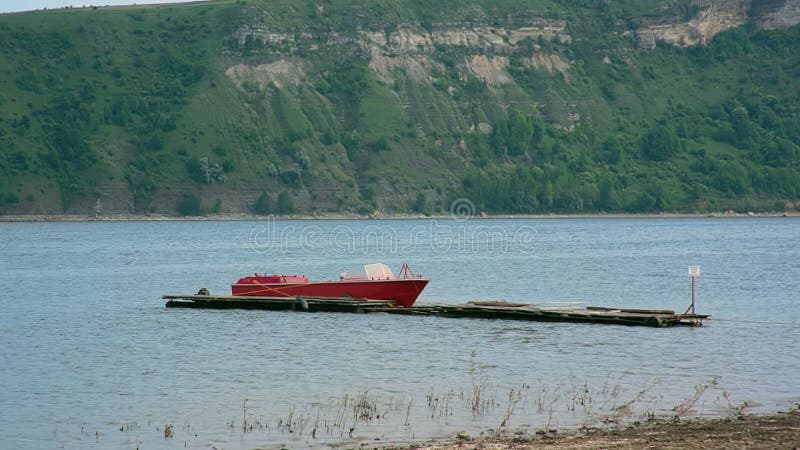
(480, 405)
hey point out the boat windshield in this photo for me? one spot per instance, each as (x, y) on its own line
(376, 271)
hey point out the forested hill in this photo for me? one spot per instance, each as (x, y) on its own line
(279, 106)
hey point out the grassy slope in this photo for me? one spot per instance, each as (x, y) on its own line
(120, 104)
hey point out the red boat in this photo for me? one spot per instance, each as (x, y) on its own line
(371, 281)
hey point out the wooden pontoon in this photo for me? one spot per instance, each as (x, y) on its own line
(311, 304)
(477, 309)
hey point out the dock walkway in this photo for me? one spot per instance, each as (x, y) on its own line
(475, 309)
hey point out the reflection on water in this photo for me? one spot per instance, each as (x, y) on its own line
(92, 359)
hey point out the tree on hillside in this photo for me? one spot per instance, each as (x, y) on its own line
(608, 195)
(520, 134)
(420, 203)
(285, 205)
(660, 143)
(350, 78)
(263, 205)
(189, 205)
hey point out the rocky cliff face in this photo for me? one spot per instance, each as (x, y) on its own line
(410, 49)
(715, 16)
(769, 14)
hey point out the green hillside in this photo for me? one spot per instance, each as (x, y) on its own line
(278, 106)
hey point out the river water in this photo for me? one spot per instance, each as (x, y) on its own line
(92, 359)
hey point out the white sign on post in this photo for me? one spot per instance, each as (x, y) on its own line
(694, 271)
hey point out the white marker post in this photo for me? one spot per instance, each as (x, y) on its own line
(694, 272)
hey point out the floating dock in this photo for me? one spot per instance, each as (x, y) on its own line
(310, 304)
(477, 309)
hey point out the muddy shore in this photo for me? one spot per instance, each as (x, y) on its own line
(776, 431)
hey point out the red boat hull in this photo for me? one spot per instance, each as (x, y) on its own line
(403, 292)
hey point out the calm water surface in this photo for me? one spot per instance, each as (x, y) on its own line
(92, 359)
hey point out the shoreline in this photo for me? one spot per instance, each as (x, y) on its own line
(127, 217)
(778, 430)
